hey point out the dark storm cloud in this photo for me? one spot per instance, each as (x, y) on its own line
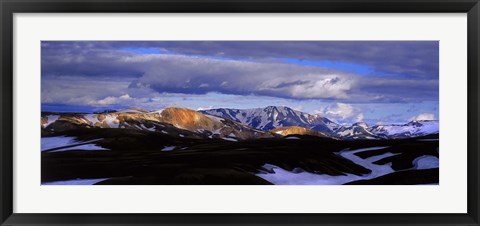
(403, 71)
(399, 90)
(85, 59)
(183, 74)
(416, 59)
(407, 58)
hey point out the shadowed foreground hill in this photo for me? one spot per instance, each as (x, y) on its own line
(147, 157)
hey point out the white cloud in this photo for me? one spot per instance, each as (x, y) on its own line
(205, 108)
(78, 90)
(342, 113)
(297, 108)
(114, 100)
(186, 74)
(125, 97)
(359, 117)
(423, 116)
(194, 75)
(107, 101)
(171, 73)
(85, 91)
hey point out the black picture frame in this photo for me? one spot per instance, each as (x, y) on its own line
(9, 7)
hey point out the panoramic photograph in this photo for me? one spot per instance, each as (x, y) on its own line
(239, 113)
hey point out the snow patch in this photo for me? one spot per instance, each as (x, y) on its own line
(51, 119)
(169, 148)
(426, 162)
(215, 118)
(414, 128)
(149, 129)
(76, 182)
(157, 112)
(83, 147)
(54, 142)
(217, 131)
(111, 121)
(347, 132)
(92, 118)
(48, 143)
(300, 177)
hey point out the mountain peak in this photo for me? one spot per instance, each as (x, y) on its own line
(277, 108)
(421, 123)
(361, 124)
(272, 117)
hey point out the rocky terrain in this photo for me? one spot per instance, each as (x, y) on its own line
(274, 145)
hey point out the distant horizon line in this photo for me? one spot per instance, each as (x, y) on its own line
(106, 111)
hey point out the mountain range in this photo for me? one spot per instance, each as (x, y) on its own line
(274, 117)
(232, 124)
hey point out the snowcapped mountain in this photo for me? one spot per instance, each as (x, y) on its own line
(274, 117)
(411, 129)
(232, 124)
(359, 130)
(174, 121)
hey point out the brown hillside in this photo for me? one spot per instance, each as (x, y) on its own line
(289, 130)
(188, 119)
(159, 121)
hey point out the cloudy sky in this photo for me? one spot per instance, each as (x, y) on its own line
(346, 81)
